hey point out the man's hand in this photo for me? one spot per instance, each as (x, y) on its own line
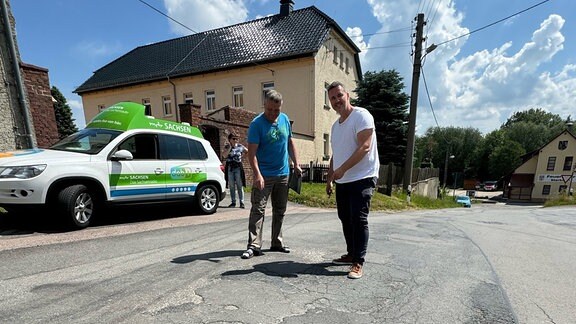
(329, 188)
(258, 182)
(297, 170)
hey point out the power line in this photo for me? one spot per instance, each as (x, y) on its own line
(494, 23)
(165, 15)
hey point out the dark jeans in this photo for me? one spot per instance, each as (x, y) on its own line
(353, 202)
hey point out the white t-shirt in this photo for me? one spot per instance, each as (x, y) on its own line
(344, 141)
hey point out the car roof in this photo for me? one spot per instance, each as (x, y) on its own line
(125, 116)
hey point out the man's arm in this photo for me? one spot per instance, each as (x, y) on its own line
(294, 156)
(364, 138)
(258, 180)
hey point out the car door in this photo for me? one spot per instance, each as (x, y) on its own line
(185, 169)
(144, 177)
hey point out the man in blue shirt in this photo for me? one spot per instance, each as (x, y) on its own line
(270, 145)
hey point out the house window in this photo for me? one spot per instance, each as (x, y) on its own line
(562, 145)
(167, 104)
(326, 147)
(188, 98)
(147, 106)
(101, 107)
(210, 100)
(238, 96)
(562, 188)
(546, 190)
(551, 163)
(266, 86)
(347, 66)
(341, 60)
(326, 97)
(568, 163)
(335, 59)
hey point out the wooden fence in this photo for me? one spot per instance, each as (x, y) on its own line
(390, 177)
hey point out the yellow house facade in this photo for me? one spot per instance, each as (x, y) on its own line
(547, 172)
(300, 72)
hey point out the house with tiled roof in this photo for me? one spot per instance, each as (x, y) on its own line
(297, 52)
(545, 173)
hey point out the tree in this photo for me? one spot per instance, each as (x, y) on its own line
(440, 142)
(64, 120)
(505, 158)
(381, 93)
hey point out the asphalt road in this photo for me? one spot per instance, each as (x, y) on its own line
(492, 263)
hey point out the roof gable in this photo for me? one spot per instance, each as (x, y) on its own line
(301, 33)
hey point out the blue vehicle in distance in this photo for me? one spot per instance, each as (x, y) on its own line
(464, 201)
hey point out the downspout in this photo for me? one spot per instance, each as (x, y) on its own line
(175, 99)
(18, 77)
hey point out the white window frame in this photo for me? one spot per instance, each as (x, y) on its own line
(326, 97)
(188, 98)
(326, 145)
(167, 105)
(266, 86)
(210, 99)
(238, 96)
(335, 58)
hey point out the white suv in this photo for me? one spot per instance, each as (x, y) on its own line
(121, 157)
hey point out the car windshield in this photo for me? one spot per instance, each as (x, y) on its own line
(89, 141)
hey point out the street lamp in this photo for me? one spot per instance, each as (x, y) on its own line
(446, 167)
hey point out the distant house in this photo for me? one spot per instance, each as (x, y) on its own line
(546, 172)
(297, 52)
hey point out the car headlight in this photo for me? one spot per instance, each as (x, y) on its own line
(22, 172)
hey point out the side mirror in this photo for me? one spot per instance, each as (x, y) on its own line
(122, 155)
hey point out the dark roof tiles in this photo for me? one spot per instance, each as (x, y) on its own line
(266, 39)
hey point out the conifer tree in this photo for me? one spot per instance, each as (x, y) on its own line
(64, 120)
(381, 93)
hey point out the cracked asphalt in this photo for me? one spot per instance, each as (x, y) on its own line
(492, 263)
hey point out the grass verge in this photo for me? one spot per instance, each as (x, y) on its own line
(314, 195)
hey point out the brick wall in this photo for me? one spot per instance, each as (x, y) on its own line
(218, 125)
(41, 106)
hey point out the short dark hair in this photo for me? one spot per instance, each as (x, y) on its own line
(335, 84)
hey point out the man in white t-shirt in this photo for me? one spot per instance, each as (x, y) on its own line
(354, 168)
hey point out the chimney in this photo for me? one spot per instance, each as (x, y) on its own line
(286, 7)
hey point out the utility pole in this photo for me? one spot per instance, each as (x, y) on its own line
(413, 102)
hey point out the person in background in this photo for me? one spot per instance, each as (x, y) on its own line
(270, 146)
(354, 167)
(235, 171)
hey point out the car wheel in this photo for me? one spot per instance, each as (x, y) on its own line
(207, 198)
(76, 204)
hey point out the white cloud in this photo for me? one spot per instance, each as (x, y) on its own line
(94, 49)
(77, 111)
(355, 34)
(202, 15)
(481, 89)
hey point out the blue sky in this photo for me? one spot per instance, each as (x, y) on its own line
(479, 81)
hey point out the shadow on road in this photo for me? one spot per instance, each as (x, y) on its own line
(40, 221)
(290, 269)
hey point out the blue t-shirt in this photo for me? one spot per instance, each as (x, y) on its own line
(272, 140)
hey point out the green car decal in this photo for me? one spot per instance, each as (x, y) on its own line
(130, 115)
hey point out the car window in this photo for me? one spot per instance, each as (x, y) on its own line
(142, 146)
(89, 141)
(197, 150)
(174, 147)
